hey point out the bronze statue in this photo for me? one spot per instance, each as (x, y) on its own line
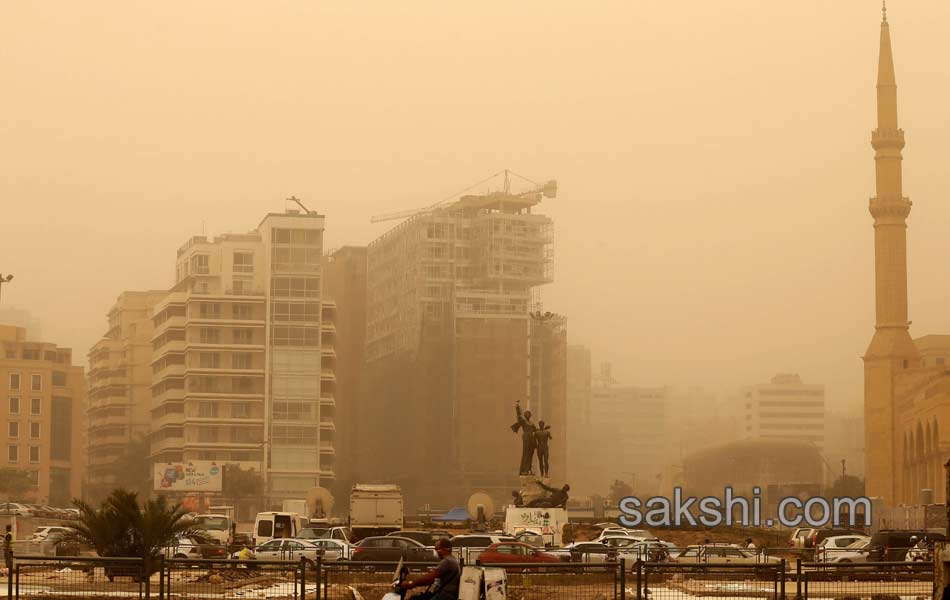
(528, 442)
(541, 438)
(556, 498)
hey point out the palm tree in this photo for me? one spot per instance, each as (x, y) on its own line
(123, 527)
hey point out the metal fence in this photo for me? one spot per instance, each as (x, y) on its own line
(668, 580)
(51, 578)
(881, 580)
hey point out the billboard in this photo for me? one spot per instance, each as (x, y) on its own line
(192, 476)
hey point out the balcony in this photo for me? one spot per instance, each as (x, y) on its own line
(171, 443)
(326, 447)
(100, 422)
(327, 425)
(327, 375)
(327, 400)
(168, 419)
(175, 370)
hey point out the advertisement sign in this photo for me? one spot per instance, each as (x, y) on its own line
(193, 476)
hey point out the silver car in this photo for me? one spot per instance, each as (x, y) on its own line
(289, 550)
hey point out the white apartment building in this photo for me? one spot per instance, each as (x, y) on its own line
(243, 356)
(785, 408)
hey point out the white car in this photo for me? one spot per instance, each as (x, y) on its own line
(182, 546)
(585, 552)
(469, 546)
(333, 550)
(641, 534)
(829, 547)
(15, 508)
(855, 553)
(722, 554)
(287, 549)
(42, 533)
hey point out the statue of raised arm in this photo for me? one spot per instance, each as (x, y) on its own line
(528, 442)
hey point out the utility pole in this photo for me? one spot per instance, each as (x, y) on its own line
(4, 279)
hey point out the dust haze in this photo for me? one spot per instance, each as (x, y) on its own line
(713, 158)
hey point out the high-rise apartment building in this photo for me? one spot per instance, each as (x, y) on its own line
(344, 282)
(549, 384)
(244, 356)
(447, 345)
(43, 404)
(785, 408)
(119, 386)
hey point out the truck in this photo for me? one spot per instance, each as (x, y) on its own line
(296, 506)
(375, 509)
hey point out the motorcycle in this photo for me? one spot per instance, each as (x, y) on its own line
(398, 592)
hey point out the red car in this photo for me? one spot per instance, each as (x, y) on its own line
(514, 552)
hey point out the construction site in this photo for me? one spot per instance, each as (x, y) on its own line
(455, 335)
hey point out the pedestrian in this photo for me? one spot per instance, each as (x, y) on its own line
(8, 550)
(749, 544)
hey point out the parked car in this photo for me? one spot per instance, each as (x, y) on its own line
(182, 546)
(426, 538)
(817, 536)
(16, 508)
(855, 553)
(468, 546)
(532, 538)
(243, 539)
(42, 533)
(800, 537)
(833, 545)
(289, 550)
(892, 545)
(586, 552)
(312, 533)
(332, 550)
(516, 552)
(642, 534)
(721, 554)
(392, 548)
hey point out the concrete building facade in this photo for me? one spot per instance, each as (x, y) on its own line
(448, 341)
(244, 356)
(785, 408)
(44, 404)
(344, 280)
(119, 385)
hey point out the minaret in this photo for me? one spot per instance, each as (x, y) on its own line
(891, 349)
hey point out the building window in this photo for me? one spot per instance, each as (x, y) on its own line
(13, 453)
(61, 429)
(13, 429)
(36, 382)
(241, 360)
(208, 410)
(209, 360)
(904, 364)
(200, 264)
(243, 336)
(59, 379)
(34, 477)
(208, 434)
(241, 410)
(35, 405)
(34, 454)
(295, 287)
(31, 354)
(14, 405)
(14, 381)
(209, 310)
(243, 312)
(242, 287)
(34, 430)
(940, 360)
(243, 262)
(209, 335)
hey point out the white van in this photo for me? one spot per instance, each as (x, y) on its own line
(271, 525)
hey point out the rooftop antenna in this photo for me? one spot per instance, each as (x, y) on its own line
(299, 203)
(884, 10)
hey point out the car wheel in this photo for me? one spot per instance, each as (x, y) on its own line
(180, 555)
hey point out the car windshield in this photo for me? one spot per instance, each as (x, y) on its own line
(860, 544)
(312, 533)
(212, 523)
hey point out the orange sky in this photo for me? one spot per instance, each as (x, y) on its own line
(713, 158)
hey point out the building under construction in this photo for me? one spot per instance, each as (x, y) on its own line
(448, 345)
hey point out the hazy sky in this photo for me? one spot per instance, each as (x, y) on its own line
(713, 158)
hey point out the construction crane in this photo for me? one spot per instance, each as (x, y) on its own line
(299, 203)
(548, 190)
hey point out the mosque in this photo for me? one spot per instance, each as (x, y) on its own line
(906, 381)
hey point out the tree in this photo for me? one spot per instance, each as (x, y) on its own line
(14, 483)
(241, 483)
(133, 469)
(847, 485)
(618, 491)
(123, 527)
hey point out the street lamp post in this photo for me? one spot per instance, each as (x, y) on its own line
(946, 498)
(4, 279)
